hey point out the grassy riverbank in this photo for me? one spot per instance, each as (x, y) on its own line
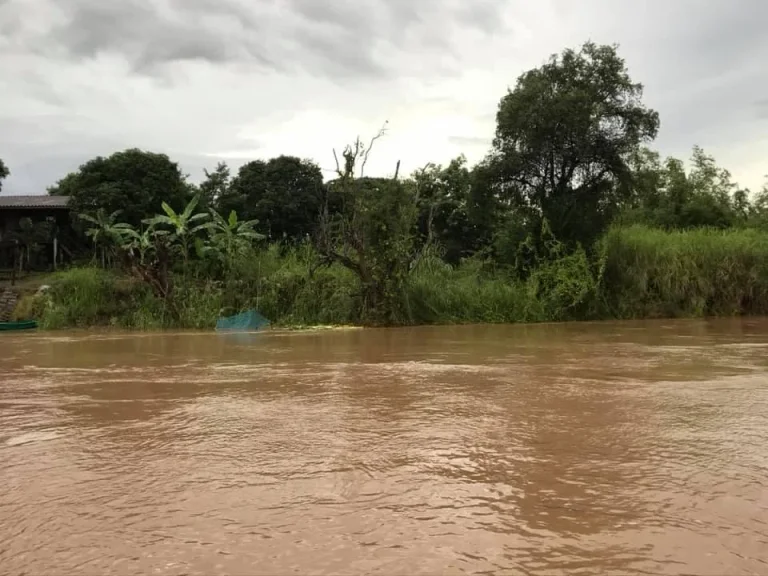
(634, 272)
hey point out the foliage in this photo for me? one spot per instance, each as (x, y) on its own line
(133, 181)
(652, 273)
(4, 173)
(231, 238)
(214, 186)
(371, 235)
(105, 232)
(442, 197)
(183, 225)
(562, 140)
(284, 194)
(665, 196)
(84, 297)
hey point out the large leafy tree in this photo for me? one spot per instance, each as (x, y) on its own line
(284, 194)
(4, 173)
(563, 138)
(133, 181)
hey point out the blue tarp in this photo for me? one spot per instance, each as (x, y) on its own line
(244, 322)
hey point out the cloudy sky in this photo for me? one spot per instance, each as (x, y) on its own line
(205, 80)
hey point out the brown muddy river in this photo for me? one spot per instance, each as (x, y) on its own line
(617, 448)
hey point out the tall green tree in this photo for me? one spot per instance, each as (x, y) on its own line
(284, 194)
(563, 139)
(443, 196)
(4, 173)
(133, 181)
(664, 195)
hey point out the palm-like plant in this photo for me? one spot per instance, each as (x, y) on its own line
(105, 233)
(232, 237)
(141, 243)
(184, 225)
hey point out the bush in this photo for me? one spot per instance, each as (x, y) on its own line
(83, 297)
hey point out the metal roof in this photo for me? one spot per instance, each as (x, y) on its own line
(36, 201)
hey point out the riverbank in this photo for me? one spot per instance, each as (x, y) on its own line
(634, 272)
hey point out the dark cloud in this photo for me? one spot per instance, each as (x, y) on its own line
(332, 37)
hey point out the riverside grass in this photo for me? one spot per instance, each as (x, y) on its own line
(650, 273)
(633, 272)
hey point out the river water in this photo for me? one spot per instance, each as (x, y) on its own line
(605, 448)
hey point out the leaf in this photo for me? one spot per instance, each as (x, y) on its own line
(88, 218)
(190, 207)
(232, 219)
(200, 216)
(168, 210)
(199, 227)
(159, 219)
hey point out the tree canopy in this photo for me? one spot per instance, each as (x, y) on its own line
(215, 185)
(284, 194)
(563, 138)
(133, 181)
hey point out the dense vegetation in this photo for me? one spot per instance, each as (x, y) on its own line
(569, 216)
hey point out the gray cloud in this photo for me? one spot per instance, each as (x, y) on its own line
(247, 77)
(334, 37)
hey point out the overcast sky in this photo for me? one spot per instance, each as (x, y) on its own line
(204, 80)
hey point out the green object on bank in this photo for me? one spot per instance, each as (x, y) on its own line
(248, 321)
(21, 325)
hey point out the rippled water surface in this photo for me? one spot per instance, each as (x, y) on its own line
(621, 448)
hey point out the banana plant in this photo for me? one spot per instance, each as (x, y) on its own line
(105, 233)
(184, 225)
(142, 243)
(232, 237)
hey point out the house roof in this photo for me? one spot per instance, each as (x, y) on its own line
(40, 201)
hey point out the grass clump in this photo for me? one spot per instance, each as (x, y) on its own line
(651, 273)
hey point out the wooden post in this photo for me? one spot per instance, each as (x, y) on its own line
(55, 251)
(13, 268)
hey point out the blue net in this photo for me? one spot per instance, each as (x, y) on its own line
(248, 321)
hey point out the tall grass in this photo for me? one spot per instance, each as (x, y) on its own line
(652, 273)
(475, 292)
(85, 297)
